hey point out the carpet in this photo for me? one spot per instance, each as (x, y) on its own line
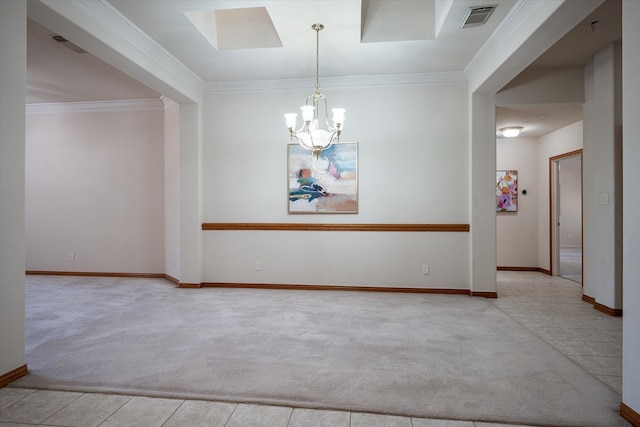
(424, 355)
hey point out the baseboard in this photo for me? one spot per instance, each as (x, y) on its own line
(483, 294)
(346, 288)
(172, 279)
(538, 269)
(615, 312)
(189, 285)
(11, 376)
(96, 274)
(630, 415)
(590, 300)
(273, 286)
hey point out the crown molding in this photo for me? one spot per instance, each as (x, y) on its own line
(95, 106)
(168, 102)
(393, 80)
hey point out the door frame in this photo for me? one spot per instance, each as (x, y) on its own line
(554, 194)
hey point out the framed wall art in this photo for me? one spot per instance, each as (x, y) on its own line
(507, 191)
(326, 185)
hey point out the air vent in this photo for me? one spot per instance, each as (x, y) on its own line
(477, 16)
(66, 43)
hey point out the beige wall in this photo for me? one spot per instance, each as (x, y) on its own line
(172, 189)
(517, 232)
(413, 157)
(95, 188)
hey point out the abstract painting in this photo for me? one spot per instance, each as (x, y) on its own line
(328, 184)
(507, 191)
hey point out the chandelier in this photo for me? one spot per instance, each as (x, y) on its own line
(316, 134)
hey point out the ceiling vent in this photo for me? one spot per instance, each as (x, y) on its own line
(66, 43)
(477, 16)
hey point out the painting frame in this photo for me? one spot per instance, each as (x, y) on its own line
(328, 185)
(507, 190)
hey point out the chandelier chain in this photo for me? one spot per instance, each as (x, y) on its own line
(318, 60)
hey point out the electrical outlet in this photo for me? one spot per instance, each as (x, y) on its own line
(425, 269)
(72, 256)
(258, 265)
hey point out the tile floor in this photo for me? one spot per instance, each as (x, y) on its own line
(25, 407)
(550, 307)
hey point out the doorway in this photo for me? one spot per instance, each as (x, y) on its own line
(566, 215)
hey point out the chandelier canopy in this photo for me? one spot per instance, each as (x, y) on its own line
(316, 134)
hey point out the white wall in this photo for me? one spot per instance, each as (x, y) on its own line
(631, 250)
(13, 52)
(562, 141)
(544, 86)
(95, 188)
(517, 232)
(602, 264)
(413, 168)
(172, 189)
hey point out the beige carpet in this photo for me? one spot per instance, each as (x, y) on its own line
(438, 356)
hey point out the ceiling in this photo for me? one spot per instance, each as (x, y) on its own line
(361, 37)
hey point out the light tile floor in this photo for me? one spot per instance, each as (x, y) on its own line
(551, 307)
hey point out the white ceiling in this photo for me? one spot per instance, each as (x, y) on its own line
(341, 51)
(57, 74)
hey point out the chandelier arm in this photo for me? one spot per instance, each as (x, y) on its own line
(326, 114)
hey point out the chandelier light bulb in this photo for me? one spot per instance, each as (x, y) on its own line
(307, 112)
(338, 116)
(291, 119)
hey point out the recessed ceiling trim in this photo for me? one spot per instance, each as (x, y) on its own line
(242, 28)
(398, 20)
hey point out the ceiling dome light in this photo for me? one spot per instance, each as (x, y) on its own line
(511, 131)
